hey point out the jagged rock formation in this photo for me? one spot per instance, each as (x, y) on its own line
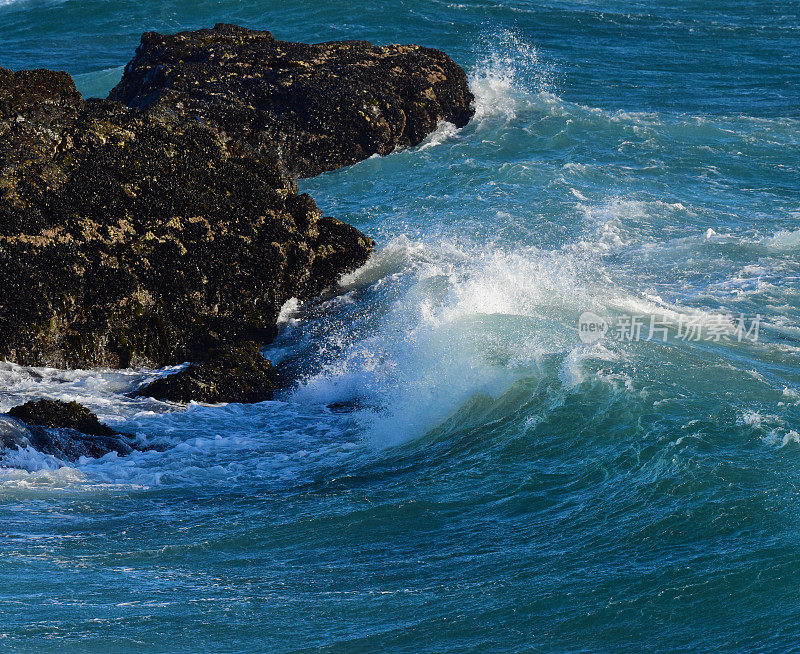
(229, 374)
(324, 105)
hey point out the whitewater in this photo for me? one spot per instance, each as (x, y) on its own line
(454, 468)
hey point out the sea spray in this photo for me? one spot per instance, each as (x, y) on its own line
(509, 70)
(539, 492)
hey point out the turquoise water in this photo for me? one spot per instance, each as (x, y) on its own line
(488, 481)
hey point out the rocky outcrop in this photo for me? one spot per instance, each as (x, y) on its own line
(229, 374)
(149, 228)
(131, 238)
(65, 430)
(324, 105)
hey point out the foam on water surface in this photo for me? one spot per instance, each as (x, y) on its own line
(451, 456)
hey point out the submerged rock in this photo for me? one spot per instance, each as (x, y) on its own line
(323, 105)
(131, 238)
(230, 374)
(65, 430)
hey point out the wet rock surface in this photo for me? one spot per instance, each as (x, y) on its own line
(323, 106)
(229, 374)
(133, 239)
(65, 430)
(58, 414)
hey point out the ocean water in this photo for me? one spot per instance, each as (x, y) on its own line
(486, 479)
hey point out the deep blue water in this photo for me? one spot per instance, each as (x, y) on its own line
(500, 485)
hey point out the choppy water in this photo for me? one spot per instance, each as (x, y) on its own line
(499, 485)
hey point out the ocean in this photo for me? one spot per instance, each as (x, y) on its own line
(558, 410)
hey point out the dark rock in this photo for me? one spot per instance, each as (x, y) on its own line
(324, 106)
(230, 374)
(42, 91)
(65, 430)
(144, 239)
(56, 414)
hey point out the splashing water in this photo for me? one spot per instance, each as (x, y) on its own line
(510, 72)
(454, 468)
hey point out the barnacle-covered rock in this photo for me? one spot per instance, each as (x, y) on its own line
(324, 105)
(132, 238)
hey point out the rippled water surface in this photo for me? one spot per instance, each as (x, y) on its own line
(486, 481)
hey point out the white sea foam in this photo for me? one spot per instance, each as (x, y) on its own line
(774, 429)
(617, 223)
(781, 437)
(444, 132)
(196, 445)
(751, 419)
(784, 240)
(288, 311)
(791, 393)
(21, 4)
